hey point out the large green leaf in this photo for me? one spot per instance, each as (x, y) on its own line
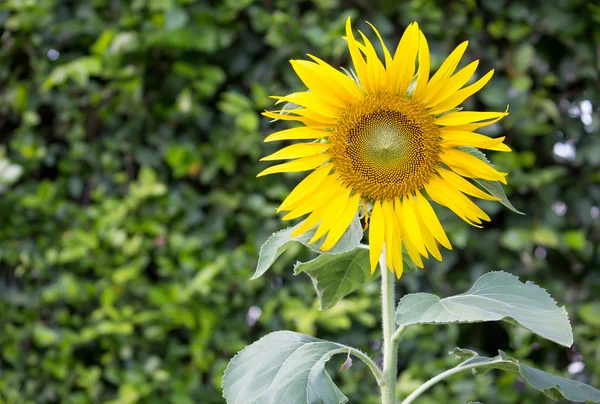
(494, 188)
(553, 386)
(283, 367)
(495, 296)
(282, 240)
(336, 276)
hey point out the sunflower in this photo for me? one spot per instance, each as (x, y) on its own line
(386, 139)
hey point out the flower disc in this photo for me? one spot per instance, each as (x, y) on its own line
(385, 147)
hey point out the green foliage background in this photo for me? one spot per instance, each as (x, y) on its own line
(131, 218)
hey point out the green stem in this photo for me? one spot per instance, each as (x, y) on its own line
(390, 348)
(425, 386)
(398, 335)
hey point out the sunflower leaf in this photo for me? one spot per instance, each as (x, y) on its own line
(336, 276)
(289, 106)
(494, 188)
(552, 386)
(495, 296)
(476, 153)
(350, 73)
(279, 242)
(283, 367)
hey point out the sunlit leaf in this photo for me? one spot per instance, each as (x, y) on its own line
(552, 386)
(495, 296)
(283, 367)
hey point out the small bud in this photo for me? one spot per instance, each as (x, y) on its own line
(347, 364)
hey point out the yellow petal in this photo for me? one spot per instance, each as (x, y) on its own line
(278, 115)
(362, 48)
(335, 208)
(311, 221)
(469, 127)
(337, 231)
(424, 66)
(451, 85)
(412, 225)
(402, 69)
(443, 200)
(328, 188)
(465, 186)
(386, 52)
(413, 253)
(431, 220)
(470, 209)
(311, 101)
(307, 186)
(339, 82)
(314, 116)
(360, 66)
(327, 83)
(298, 150)
(428, 238)
(390, 237)
(471, 139)
(299, 133)
(446, 195)
(302, 164)
(470, 166)
(445, 71)
(304, 115)
(501, 147)
(375, 69)
(461, 95)
(397, 250)
(465, 117)
(397, 262)
(376, 234)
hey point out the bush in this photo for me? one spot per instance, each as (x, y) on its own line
(131, 217)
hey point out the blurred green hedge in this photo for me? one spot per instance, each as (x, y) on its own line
(131, 218)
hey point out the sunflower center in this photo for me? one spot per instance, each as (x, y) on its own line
(385, 147)
(384, 140)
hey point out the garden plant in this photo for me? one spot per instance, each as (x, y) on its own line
(132, 217)
(383, 139)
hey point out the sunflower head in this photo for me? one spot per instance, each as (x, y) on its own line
(386, 146)
(389, 137)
